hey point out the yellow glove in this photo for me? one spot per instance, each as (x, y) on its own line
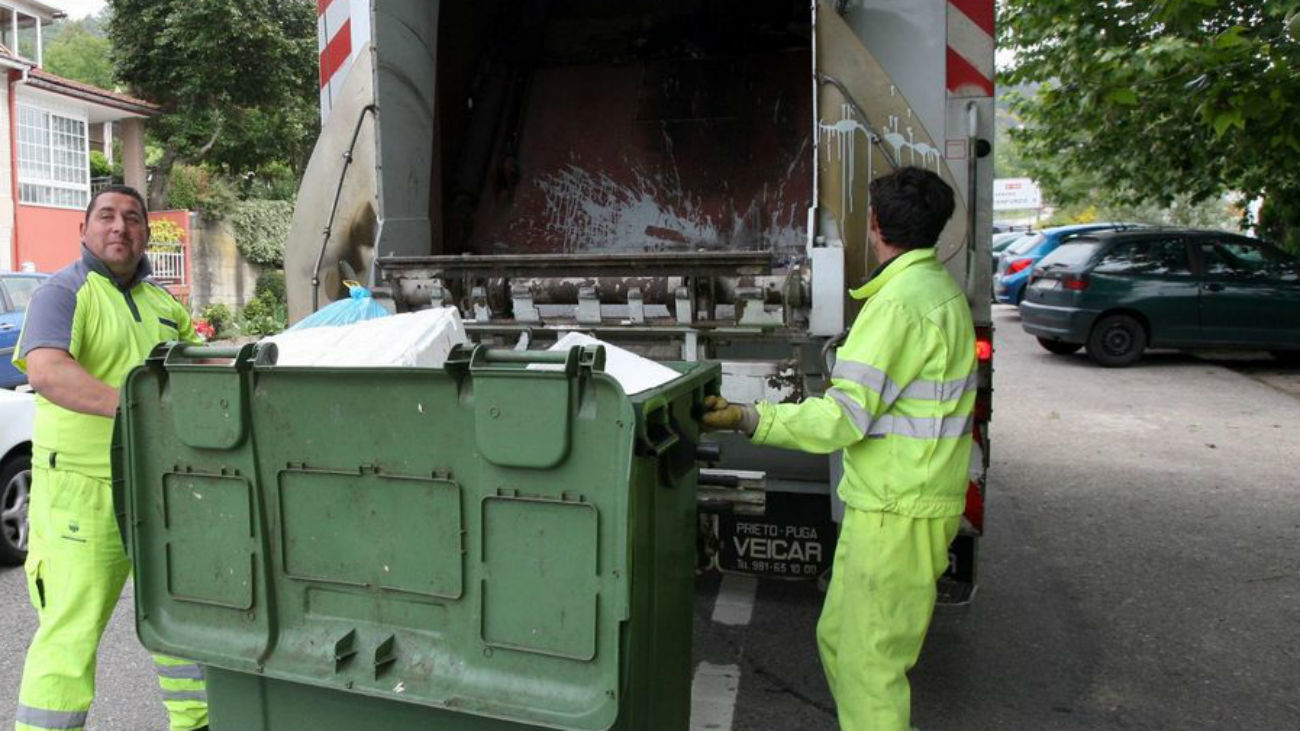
(719, 415)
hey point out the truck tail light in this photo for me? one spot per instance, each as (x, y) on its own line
(1019, 265)
(983, 344)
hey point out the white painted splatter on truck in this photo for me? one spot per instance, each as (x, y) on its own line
(590, 211)
(842, 138)
(844, 135)
(895, 139)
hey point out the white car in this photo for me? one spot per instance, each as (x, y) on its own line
(16, 410)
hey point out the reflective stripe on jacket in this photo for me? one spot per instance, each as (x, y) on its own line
(902, 395)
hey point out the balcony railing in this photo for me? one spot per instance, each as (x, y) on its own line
(168, 263)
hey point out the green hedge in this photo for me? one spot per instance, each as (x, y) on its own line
(261, 229)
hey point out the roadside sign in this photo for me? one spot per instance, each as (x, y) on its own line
(1014, 194)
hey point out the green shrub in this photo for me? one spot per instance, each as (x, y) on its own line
(219, 317)
(270, 285)
(195, 188)
(165, 232)
(263, 316)
(261, 228)
(184, 186)
(273, 182)
(99, 166)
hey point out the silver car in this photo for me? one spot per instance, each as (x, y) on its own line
(16, 410)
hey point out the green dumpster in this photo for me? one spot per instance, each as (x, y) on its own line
(491, 545)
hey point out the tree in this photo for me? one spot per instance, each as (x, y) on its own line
(236, 79)
(1161, 100)
(78, 50)
(1007, 160)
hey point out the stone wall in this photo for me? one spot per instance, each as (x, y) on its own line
(220, 274)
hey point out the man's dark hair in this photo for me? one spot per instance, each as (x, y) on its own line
(120, 190)
(912, 205)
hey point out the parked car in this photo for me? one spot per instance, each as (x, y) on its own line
(16, 412)
(16, 291)
(1004, 240)
(1013, 268)
(1118, 293)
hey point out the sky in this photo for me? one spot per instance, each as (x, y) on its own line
(77, 8)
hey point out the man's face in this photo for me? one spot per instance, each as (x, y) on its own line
(116, 232)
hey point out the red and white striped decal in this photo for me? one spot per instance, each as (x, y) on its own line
(970, 48)
(334, 42)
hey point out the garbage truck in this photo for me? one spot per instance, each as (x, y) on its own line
(685, 179)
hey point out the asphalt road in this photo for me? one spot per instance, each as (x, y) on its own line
(1140, 571)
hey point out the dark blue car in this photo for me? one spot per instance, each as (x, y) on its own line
(15, 292)
(1019, 259)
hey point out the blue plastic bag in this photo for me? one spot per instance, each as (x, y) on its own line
(357, 307)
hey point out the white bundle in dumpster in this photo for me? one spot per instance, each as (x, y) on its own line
(414, 339)
(633, 372)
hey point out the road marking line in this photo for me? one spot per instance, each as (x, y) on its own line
(713, 696)
(735, 601)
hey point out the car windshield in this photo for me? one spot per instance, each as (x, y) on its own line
(1073, 254)
(20, 290)
(1025, 244)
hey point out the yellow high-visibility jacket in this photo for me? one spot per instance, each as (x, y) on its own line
(109, 328)
(902, 397)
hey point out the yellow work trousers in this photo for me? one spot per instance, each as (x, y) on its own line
(76, 569)
(877, 611)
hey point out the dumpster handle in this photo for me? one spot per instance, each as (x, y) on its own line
(262, 353)
(592, 357)
(656, 431)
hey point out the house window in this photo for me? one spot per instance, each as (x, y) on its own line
(8, 18)
(53, 159)
(20, 33)
(29, 38)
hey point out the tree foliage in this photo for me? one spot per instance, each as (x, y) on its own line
(1161, 101)
(78, 50)
(236, 79)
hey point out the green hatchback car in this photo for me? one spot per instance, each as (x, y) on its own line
(1118, 293)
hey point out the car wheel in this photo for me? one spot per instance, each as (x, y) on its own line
(1286, 357)
(15, 493)
(1059, 347)
(1021, 296)
(1117, 341)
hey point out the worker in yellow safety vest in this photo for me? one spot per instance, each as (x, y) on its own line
(900, 406)
(85, 329)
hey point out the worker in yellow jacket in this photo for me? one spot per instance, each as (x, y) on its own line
(86, 328)
(900, 406)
